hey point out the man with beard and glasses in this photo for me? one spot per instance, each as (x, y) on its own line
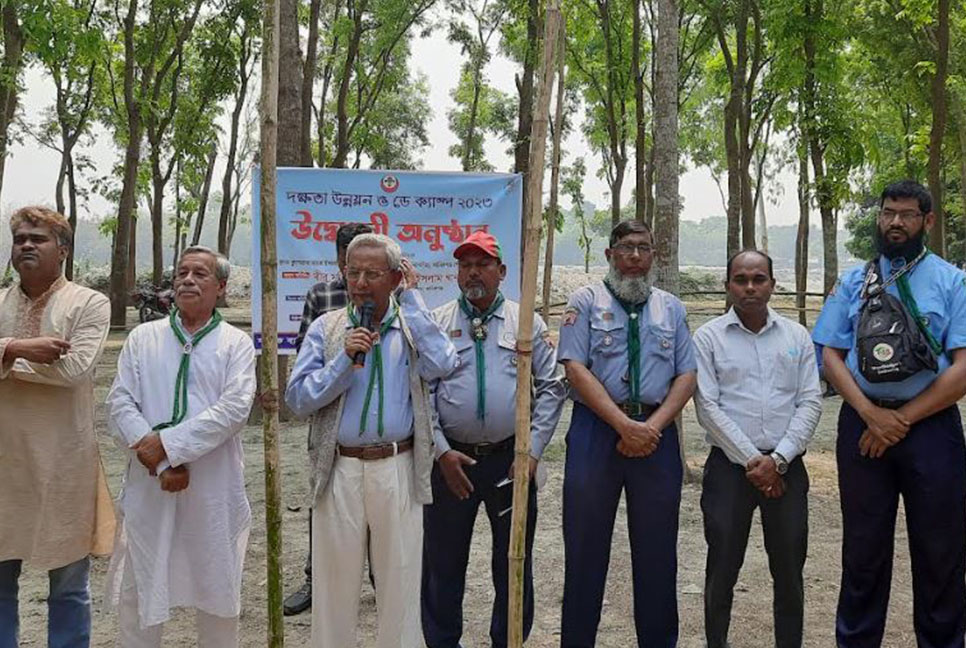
(901, 437)
(630, 362)
(759, 400)
(476, 407)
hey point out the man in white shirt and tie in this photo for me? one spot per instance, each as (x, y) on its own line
(759, 400)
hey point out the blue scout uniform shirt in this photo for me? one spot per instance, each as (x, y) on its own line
(314, 384)
(456, 394)
(940, 291)
(594, 333)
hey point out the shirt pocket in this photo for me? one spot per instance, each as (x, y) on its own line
(932, 308)
(658, 347)
(507, 345)
(608, 337)
(464, 362)
(785, 371)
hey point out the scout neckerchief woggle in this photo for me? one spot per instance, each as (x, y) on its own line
(634, 313)
(375, 367)
(180, 408)
(478, 322)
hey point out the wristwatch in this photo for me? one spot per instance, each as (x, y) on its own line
(781, 464)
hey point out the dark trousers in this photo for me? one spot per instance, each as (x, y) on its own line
(928, 469)
(728, 501)
(447, 535)
(594, 477)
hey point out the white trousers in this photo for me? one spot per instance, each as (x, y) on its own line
(213, 631)
(378, 496)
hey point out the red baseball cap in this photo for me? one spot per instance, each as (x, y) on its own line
(480, 240)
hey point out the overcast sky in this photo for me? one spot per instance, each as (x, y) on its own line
(31, 170)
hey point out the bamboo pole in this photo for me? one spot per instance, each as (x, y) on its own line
(554, 177)
(532, 219)
(268, 367)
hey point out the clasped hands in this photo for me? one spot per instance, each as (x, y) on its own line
(150, 452)
(638, 438)
(884, 428)
(762, 472)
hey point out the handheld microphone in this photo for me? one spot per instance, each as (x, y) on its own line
(368, 308)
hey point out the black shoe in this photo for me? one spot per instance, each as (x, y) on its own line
(298, 602)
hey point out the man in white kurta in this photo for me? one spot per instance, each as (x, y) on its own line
(184, 548)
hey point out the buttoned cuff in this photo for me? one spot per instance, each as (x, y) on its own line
(442, 445)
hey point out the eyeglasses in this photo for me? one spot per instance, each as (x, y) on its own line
(354, 275)
(626, 249)
(906, 216)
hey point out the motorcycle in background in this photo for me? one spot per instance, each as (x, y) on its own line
(153, 302)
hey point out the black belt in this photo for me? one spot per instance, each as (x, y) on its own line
(482, 449)
(887, 403)
(638, 409)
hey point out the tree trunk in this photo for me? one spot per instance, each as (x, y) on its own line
(341, 156)
(937, 237)
(666, 148)
(289, 86)
(72, 218)
(10, 67)
(205, 192)
(125, 230)
(474, 108)
(268, 367)
(521, 473)
(734, 178)
(308, 80)
(554, 175)
(640, 146)
(962, 164)
(157, 220)
(244, 75)
(801, 237)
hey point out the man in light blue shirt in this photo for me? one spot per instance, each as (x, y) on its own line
(630, 362)
(903, 437)
(759, 400)
(475, 442)
(370, 443)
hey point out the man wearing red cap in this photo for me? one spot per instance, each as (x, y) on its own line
(474, 442)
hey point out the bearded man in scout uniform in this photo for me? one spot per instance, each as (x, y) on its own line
(476, 407)
(631, 367)
(54, 506)
(899, 429)
(183, 391)
(370, 443)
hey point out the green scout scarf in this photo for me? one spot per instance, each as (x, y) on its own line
(634, 313)
(180, 408)
(375, 368)
(905, 293)
(478, 321)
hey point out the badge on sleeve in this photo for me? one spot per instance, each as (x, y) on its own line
(548, 339)
(570, 316)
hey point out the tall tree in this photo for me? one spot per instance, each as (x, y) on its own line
(151, 40)
(666, 147)
(10, 68)
(289, 85)
(474, 40)
(68, 39)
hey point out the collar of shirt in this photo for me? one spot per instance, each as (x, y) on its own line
(497, 314)
(395, 323)
(734, 320)
(59, 283)
(177, 319)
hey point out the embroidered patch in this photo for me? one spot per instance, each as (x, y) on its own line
(570, 316)
(455, 333)
(883, 352)
(607, 316)
(548, 339)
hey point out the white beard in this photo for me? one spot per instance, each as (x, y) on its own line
(633, 290)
